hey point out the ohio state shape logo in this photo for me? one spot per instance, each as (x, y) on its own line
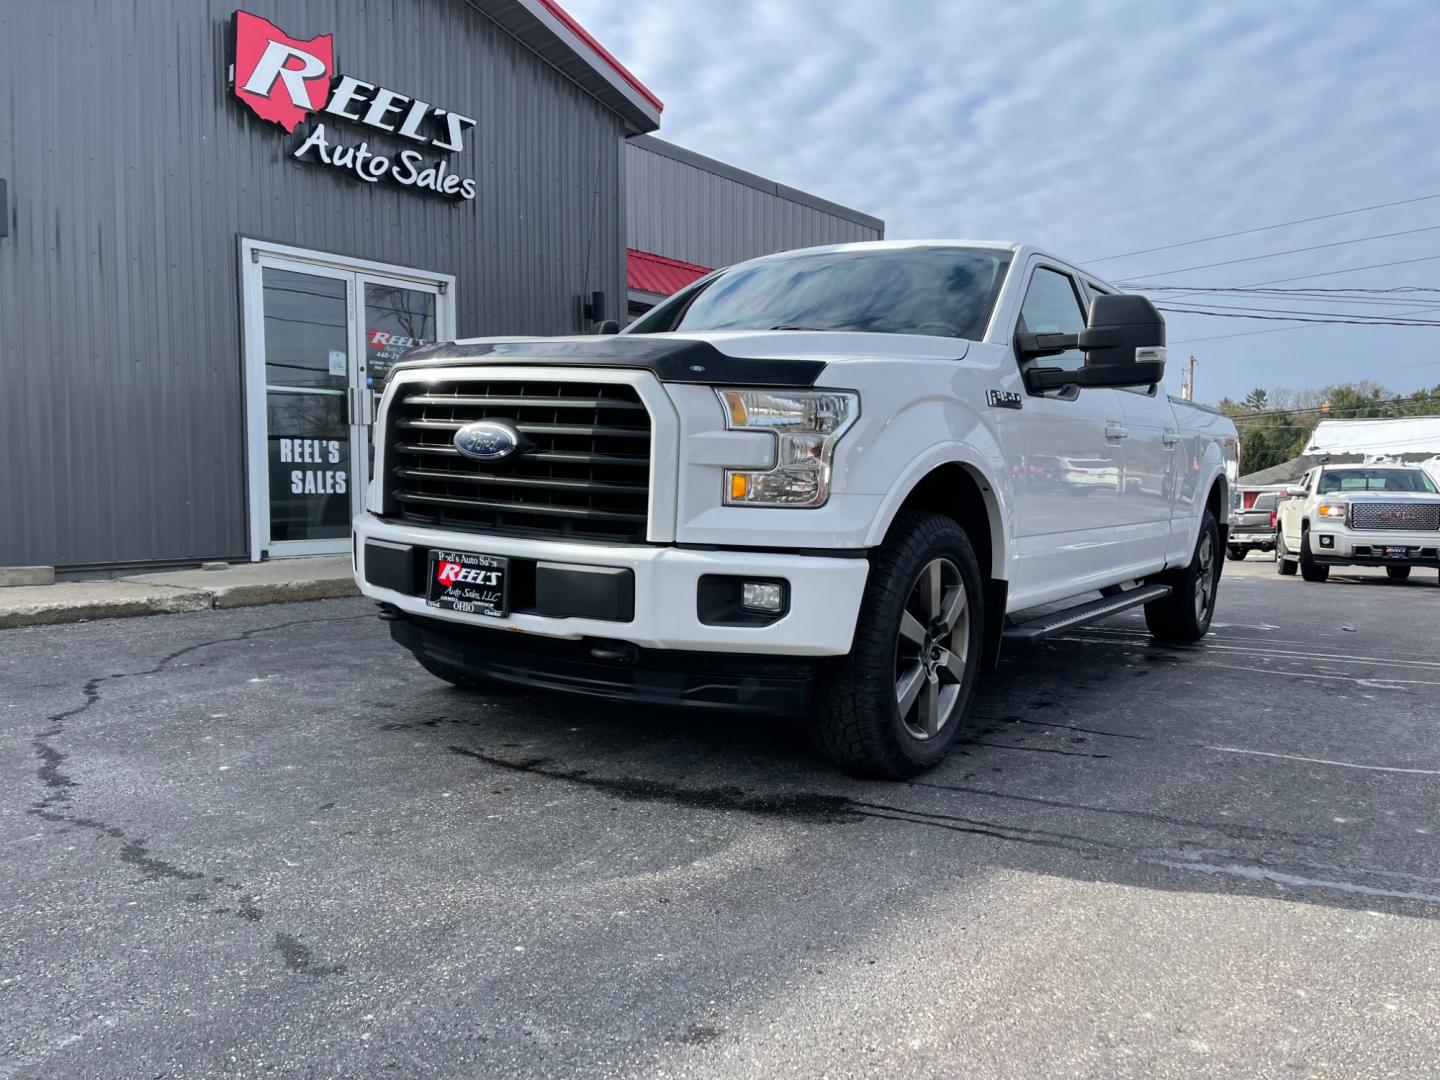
(282, 79)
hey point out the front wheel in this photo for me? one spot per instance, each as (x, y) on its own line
(1184, 615)
(1310, 570)
(1398, 573)
(894, 706)
(1283, 565)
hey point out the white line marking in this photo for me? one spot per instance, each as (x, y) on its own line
(1255, 873)
(1323, 761)
(1372, 684)
(1338, 658)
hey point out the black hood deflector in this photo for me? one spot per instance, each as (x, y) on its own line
(675, 360)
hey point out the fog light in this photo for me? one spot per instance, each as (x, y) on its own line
(1327, 541)
(765, 596)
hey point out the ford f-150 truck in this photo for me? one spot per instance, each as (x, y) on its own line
(829, 482)
(1359, 515)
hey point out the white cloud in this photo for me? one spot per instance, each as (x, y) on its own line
(1094, 129)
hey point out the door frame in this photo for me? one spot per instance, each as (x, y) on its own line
(254, 256)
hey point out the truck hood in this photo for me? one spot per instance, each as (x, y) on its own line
(743, 358)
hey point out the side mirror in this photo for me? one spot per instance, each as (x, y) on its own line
(1123, 342)
(609, 326)
(1293, 492)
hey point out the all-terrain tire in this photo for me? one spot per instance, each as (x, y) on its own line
(1310, 570)
(453, 675)
(1397, 573)
(1283, 565)
(857, 720)
(1184, 616)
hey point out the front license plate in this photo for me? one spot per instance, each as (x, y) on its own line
(1396, 552)
(469, 583)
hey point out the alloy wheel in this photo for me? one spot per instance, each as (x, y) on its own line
(931, 649)
(1204, 577)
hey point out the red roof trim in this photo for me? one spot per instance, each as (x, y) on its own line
(657, 274)
(599, 50)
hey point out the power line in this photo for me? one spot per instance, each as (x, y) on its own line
(1299, 296)
(1265, 228)
(1375, 320)
(1284, 292)
(1375, 404)
(1296, 251)
(1296, 277)
(1384, 318)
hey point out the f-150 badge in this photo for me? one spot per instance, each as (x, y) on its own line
(1004, 399)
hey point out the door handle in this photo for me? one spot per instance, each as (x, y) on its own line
(1115, 430)
(1170, 439)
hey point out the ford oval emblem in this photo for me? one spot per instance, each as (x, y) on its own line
(487, 440)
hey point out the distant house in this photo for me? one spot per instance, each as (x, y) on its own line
(1411, 439)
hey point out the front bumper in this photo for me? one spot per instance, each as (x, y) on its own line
(1335, 545)
(734, 683)
(824, 591)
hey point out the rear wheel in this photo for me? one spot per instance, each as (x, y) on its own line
(1398, 573)
(1184, 615)
(1236, 552)
(1283, 564)
(1310, 570)
(453, 675)
(893, 707)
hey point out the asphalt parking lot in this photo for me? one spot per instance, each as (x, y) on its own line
(263, 842)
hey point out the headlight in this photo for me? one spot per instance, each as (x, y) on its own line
(807, 424)
(1331, 510)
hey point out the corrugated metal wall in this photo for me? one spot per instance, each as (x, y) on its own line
(132, 172)
(687, 207)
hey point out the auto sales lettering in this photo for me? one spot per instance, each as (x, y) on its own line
(283, 80)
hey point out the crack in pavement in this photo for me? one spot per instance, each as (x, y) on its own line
(135, 852)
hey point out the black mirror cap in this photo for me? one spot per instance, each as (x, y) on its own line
(1124, 342)
(609, 326)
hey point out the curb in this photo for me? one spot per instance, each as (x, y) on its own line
(173, 600)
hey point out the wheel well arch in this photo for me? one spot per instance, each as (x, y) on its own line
(963, 495)
(1218, 504)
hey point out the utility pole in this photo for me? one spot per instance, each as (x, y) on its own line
(1187, 390)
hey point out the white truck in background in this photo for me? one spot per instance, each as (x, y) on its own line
(1378, 514)
(829, 482)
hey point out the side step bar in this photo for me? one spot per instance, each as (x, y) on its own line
(1056, 621)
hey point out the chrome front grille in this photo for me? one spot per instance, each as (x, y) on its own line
(1407, 517)
(584, 476)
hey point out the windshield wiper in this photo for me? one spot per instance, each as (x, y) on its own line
(821, 329)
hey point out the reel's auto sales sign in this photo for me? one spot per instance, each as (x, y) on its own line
(284, 80)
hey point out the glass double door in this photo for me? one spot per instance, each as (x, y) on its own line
(321, 337)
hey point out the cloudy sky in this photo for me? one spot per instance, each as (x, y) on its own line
(1097, 129)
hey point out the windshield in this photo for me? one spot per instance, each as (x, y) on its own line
(1341, 480)
(1265, 502)
(937, 291)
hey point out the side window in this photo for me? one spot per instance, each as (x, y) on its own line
(1052, 306)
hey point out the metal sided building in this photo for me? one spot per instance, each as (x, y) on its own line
(687, 214)
(220, 226)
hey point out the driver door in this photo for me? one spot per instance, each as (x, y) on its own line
(1068, 485)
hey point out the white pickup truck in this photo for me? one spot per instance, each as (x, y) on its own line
(829, 482)
(1380, 514)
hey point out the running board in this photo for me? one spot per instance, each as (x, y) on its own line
(1056, 621)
